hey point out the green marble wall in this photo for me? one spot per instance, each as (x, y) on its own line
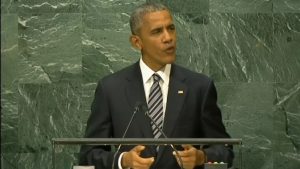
(53, 52)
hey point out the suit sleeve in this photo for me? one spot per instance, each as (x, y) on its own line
(213, 127)
(98, 126)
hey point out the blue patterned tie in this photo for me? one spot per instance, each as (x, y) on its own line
(155, 105)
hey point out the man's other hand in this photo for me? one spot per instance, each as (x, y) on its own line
(190, 157)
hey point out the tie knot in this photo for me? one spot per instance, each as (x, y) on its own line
(156, 77)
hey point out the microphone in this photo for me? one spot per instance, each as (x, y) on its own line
(136, 109)
(145, 108)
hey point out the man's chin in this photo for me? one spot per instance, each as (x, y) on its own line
(170, 59)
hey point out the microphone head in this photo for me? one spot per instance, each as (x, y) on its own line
(141, 106)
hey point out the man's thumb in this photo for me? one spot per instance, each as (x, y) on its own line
(138, 149)
(187, 146)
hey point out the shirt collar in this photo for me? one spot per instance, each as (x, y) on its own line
(147, 72)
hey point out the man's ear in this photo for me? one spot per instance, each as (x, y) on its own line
(136, 42)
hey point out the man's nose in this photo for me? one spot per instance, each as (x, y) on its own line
(167, 37)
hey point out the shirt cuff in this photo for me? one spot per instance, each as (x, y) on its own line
(120, 160)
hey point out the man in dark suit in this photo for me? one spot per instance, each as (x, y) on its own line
(186, 104)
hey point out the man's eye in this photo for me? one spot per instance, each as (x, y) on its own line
(156, 31)
(172, 27)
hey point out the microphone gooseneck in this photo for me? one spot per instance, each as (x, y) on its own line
(136, 109)
(145, 108)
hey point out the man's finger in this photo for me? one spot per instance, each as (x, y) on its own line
(187, 146)
(143, 162)
(183, 153)
(146, 160)
(138, 149)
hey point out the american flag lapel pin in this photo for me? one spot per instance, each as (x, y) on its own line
(180, 92)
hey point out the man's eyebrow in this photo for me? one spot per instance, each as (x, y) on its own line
(156, 29)
(161, 27)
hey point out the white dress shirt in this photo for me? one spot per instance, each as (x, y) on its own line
(164, 73)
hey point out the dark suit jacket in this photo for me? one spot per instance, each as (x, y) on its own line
(193, 114)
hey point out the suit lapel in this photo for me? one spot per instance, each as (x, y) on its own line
(176, 96)
(135, 93)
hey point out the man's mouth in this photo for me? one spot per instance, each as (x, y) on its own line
(170, 49)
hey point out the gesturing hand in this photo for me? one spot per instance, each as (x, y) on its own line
(133, 160)
(190, 157)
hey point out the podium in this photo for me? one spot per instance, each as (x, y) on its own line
(65, 150)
